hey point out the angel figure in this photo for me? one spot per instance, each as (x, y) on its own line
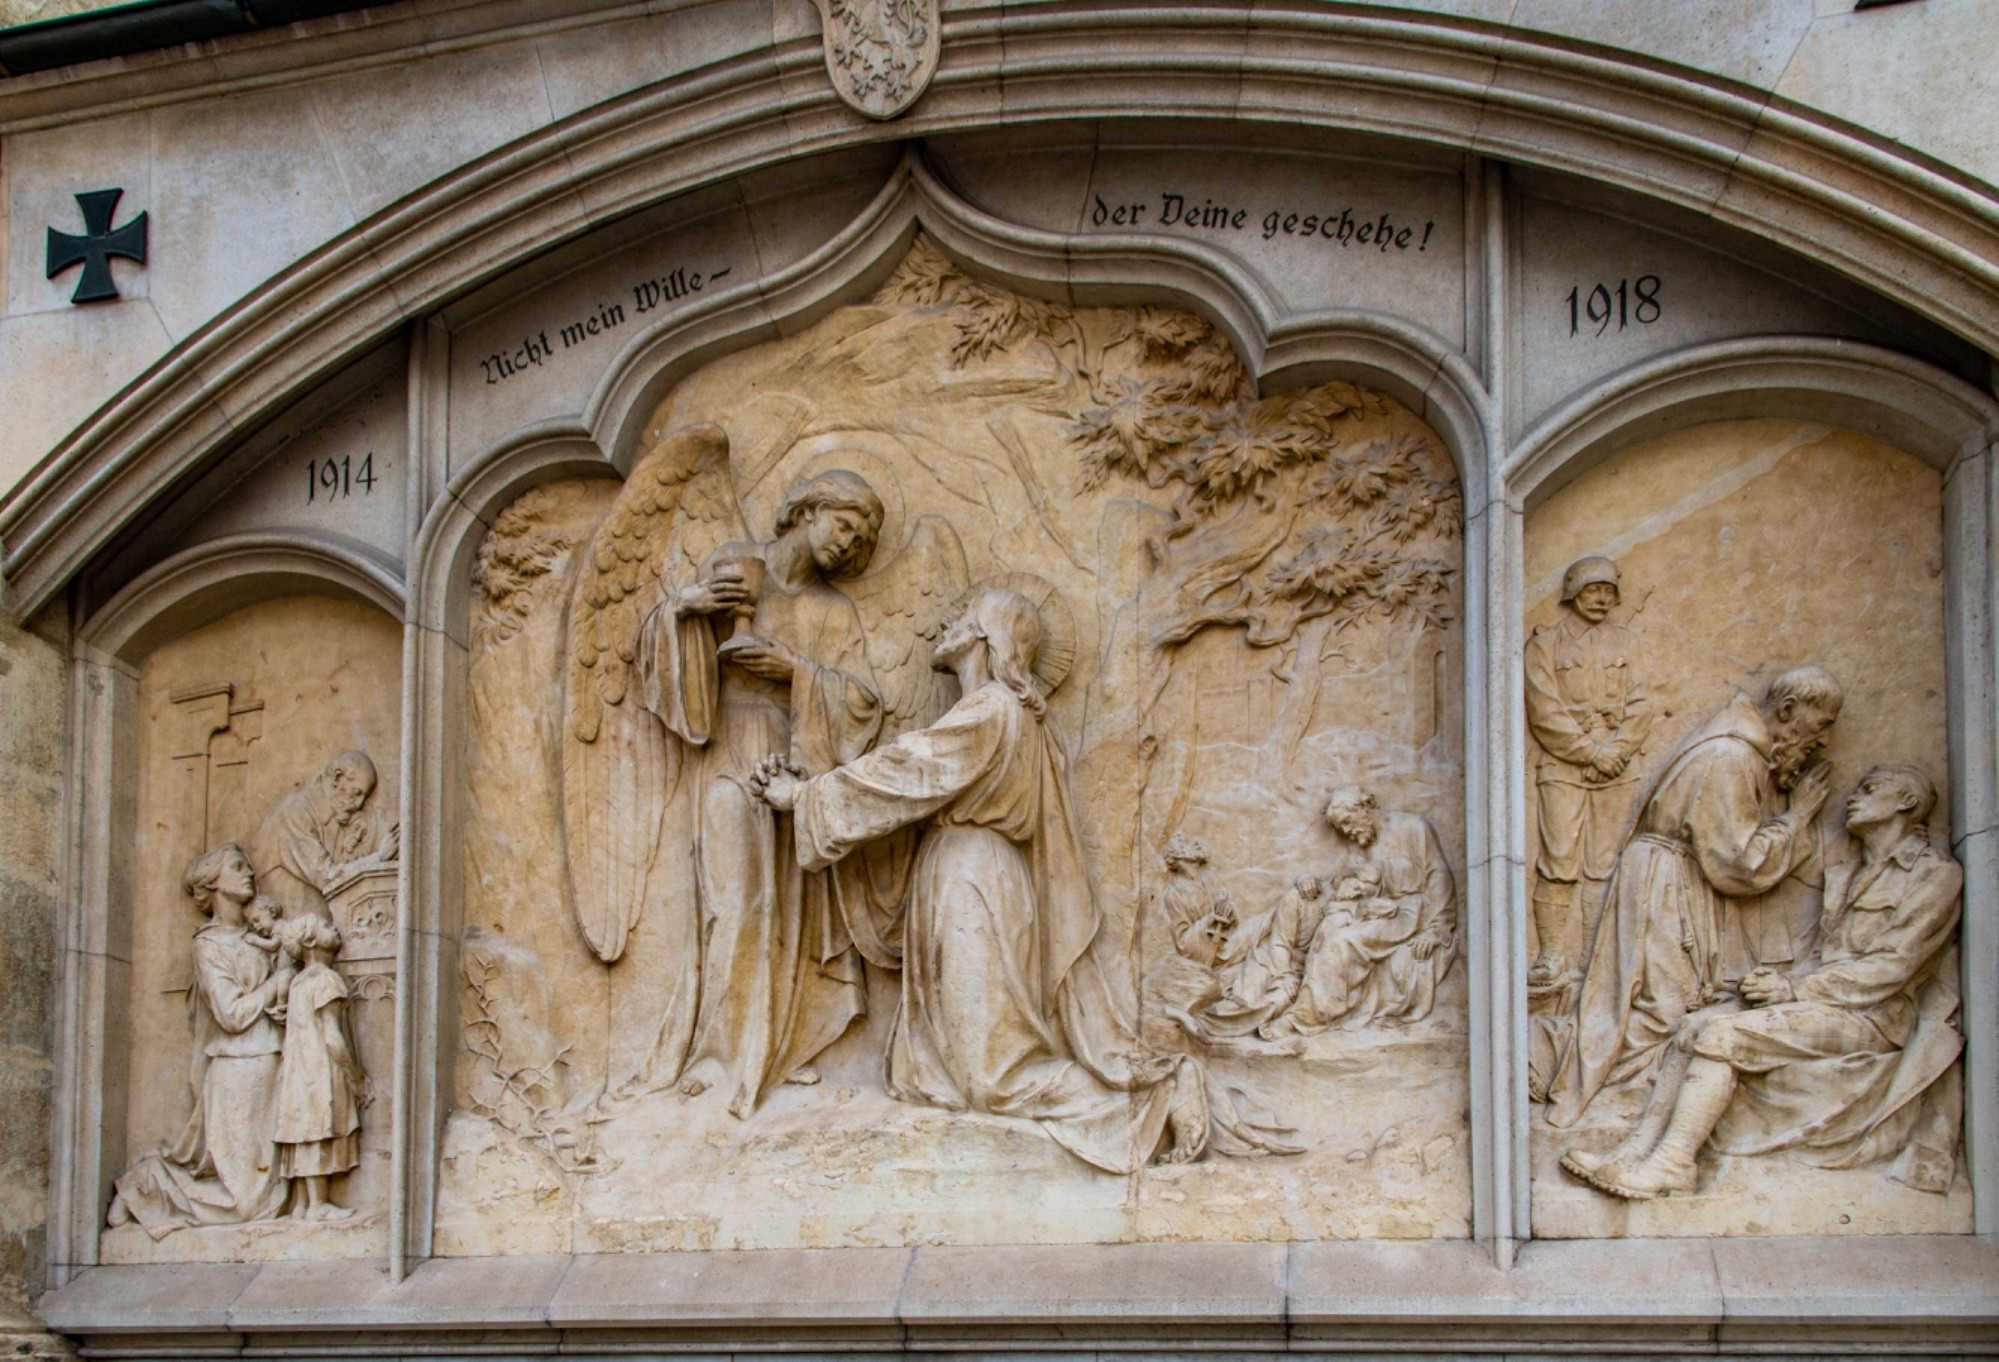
(697, 653)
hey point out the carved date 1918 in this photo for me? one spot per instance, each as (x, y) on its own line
(1631, 302)
(333, 479)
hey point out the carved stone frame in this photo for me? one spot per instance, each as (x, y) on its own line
(93, 982)
(1890, 220)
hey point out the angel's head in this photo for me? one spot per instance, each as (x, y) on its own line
(839, 516)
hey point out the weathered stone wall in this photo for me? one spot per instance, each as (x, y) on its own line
(31, 753)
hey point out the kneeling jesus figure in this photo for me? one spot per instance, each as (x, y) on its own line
(1005, 1005)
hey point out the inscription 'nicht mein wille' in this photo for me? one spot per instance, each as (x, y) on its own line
(674, 286)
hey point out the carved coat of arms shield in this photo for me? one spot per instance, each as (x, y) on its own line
(881, 54)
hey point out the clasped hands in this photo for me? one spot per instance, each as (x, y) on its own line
(1765, 987)
(778, 782)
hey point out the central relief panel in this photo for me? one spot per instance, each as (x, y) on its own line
(987, 775)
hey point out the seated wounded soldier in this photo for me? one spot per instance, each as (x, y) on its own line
(1851, 1061)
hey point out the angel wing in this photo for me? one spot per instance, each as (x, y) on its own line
(901, 607)
(619, 764)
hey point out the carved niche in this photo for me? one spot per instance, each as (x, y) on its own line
(833, 779)
(264, 922)
(1745, 992)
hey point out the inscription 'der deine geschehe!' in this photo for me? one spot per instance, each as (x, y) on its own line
(1349, 226)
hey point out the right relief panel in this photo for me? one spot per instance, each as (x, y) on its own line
(1743, 945)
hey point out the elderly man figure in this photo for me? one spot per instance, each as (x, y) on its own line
(1587, 708)
(1836, 1060)
(1714, 828)
(1389, 933)
(323, 834)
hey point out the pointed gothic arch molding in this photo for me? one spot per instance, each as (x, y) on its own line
(1418, 367)
(1911, 229)
(202, 584)
(1903, 402)
(1913, 407)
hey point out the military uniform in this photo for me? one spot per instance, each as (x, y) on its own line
(1584, 698)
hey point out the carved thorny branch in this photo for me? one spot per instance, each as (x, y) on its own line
(522, 1109)
(994, 320)
(1289, 486)
(514, 553)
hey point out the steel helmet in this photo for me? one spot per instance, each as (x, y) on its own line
(1588, 572)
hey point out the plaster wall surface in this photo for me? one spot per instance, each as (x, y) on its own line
(31, 756)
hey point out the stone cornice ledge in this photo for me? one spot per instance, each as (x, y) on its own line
(1903, 1295)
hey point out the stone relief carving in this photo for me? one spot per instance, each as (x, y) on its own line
(1731, 874)
(1365, 944)
(1729, 817)
(1588, 710)
(1390, 929)
(881, 54)
(1005, 1006)
(278, 1076)
(275, 1072)
(1852, 1059)
(751, 1025)
(739, 651)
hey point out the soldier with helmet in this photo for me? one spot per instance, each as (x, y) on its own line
(1587, 708)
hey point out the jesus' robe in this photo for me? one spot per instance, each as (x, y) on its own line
(1005, 1007)
(779, 979)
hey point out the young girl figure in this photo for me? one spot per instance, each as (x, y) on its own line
(318, 1123)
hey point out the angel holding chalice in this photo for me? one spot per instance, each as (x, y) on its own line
(697, 652)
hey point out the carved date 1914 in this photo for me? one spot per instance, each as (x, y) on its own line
(334, 479)
(1632, 302)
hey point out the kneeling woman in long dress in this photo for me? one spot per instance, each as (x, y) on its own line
(1005, 1006)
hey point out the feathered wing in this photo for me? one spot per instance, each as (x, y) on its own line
(901, 608)
(619, 762)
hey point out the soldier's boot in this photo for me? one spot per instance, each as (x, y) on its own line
(1671, 1166)
(1554, 917)
(1651, 1126)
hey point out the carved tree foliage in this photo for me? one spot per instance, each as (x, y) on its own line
(517, 551)
(1297, 506)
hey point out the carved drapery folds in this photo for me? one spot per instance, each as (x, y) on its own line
(1747, 981)
(882, 681)
(987, 756)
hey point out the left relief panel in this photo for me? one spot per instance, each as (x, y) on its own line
(264, 904)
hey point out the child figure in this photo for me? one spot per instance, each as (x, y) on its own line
(260, 916)
(318, 1124)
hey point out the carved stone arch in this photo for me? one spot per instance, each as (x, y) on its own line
(185, 592)
(1418, 367)
(441, 556)
(1880, 213)
(435, 665)
(208, 581)
(1905, 403)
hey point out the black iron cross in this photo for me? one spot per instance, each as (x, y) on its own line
(94, 249)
